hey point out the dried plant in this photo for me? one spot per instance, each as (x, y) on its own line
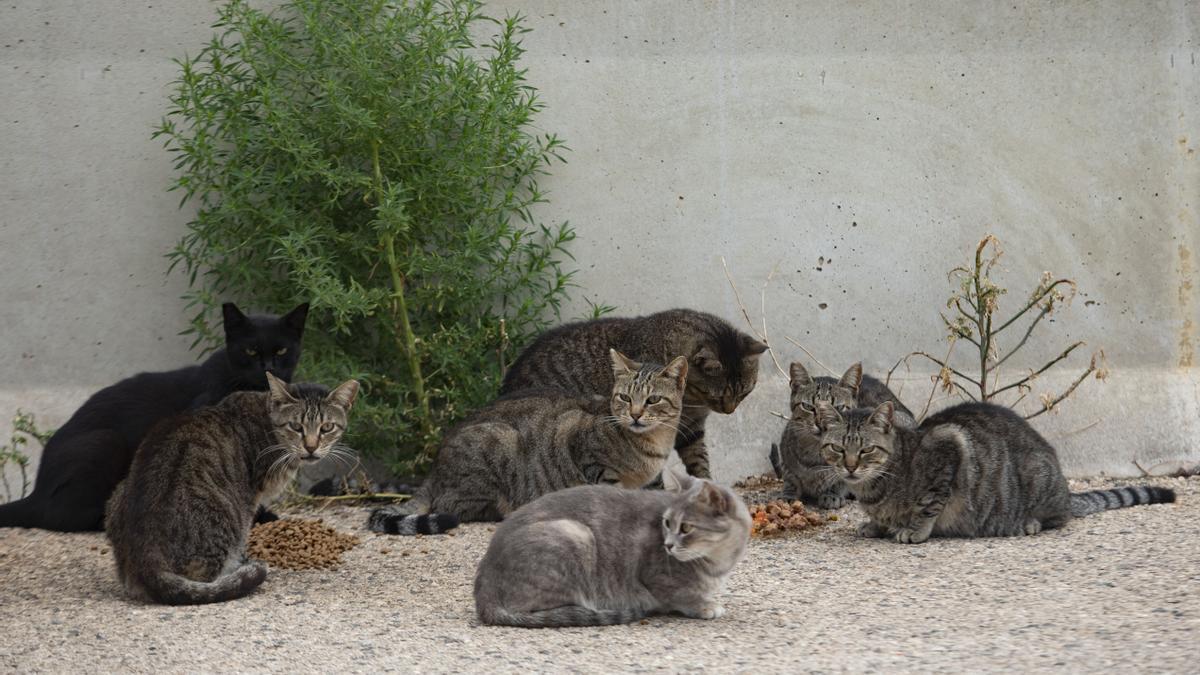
(974, 306)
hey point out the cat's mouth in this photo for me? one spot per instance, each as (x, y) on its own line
(639, 427)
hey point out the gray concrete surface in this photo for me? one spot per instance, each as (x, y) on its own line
(863, 147)
(1113, 592)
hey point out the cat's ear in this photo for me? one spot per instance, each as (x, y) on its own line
(344, 395)
(677, 370)
(294, 319)
(799, 374)
(713, 497)
(621, 364)
(853, 378)
(827, 415)
(706, 360)
(884, 417)
(233, 318)
(279, 390)
(754, 347)
(673, 481)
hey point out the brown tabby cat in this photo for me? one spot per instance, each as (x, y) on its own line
(723, 365)
(179, 522)
(797, 459)
(971, 470)
(536, 441)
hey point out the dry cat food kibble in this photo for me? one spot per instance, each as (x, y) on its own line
(779, 516)
(299, 544)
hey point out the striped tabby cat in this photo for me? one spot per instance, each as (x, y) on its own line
(723, 361)
(537, 441)
(596, 555)
(972, 470)
(178, 524)
(797, 459)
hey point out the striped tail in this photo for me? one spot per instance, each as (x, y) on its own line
(172, 589)
(397, 519)
(1095, 501)
(568, 615)
(776, 461)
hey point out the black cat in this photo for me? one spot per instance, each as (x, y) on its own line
(86, 458)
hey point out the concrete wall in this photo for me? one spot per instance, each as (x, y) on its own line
(863, 148)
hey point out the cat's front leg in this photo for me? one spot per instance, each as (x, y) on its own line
(708, 609)
(928, 507)
(692, 451)
(873, 530)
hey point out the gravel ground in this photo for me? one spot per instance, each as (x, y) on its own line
(1119, 589)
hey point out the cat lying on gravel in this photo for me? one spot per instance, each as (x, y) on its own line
(797, 459)
(596, 555)
(971, 470)
(535, 441)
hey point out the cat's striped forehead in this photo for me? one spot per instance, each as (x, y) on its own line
(823, 389)
(643, 379)
(855, 429)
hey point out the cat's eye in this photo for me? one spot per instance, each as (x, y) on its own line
(653, 399)
(866, 451)
(251, 352)
(327, 427)
(624, 398)
(686, 528)
(281, 351)
(295, 427)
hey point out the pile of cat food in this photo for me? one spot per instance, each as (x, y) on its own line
(299, 544)
(779, 516)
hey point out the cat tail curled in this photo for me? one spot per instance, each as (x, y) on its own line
(403, 519)
(568, 615)
(1095, 501)
(171, 589)
(776, 460)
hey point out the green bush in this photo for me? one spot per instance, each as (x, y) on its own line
(378, 160)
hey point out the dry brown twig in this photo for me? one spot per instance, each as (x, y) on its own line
(975, 303)
(762, 335)
(762, 302)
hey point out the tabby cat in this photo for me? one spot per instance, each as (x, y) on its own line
(86, 458)
(972, 470)
(797, 459)
(597, 555)
(723, 365)
(178, 524)
(536, 441)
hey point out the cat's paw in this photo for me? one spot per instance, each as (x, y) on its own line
(872, 530)
(907, 535)
(830, 502)
(708, 612)
(1033, 526)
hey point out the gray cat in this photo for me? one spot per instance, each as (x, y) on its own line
(723, 360)
(797, 459)
(537, 441)
(972, 470)
(179, 522)
(597, 555)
